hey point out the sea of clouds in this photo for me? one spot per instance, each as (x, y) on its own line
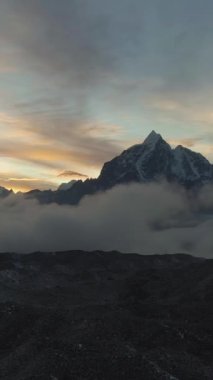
(147, 219)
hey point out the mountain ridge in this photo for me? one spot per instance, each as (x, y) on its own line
(151, 161)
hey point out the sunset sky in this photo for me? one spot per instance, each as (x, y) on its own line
(81, 80)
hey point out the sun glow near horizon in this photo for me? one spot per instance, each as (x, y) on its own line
(76, 103)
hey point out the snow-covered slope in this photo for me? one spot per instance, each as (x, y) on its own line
(188, 166)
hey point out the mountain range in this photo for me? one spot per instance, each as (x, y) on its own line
(152, 160)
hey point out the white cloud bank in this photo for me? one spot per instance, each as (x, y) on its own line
(154, 218)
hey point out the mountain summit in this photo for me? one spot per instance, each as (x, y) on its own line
(152, 138)
(152, 160)
(155, 159)
(140, 163)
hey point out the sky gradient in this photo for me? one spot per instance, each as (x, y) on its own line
(81, 80)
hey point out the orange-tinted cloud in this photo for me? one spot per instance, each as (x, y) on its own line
(25, 184)
(47, 148)
(72, 174)
(187, 142)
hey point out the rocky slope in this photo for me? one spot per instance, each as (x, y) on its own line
(105, 316)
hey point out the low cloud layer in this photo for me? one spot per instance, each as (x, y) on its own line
(147, 219)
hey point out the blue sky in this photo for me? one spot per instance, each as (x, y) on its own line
(83, 79)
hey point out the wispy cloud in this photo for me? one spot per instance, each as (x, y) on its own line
(74, 72)
(72, 174)
(56, 144)
(25, 184)
(187, 142)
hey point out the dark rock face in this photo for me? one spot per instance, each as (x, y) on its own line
(106, 316)
(150, 161)
(5, 192)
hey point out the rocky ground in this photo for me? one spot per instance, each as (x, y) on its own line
(100, 316)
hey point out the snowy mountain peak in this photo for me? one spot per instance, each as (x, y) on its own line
(152, 160)
(152, 138)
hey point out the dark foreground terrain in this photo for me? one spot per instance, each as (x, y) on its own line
(100, 316)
